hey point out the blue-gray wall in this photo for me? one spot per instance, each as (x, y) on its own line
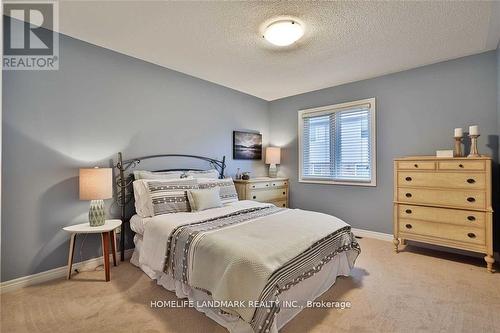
(99, 103)
(416, 113)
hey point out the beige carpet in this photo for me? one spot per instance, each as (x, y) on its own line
(415, 290)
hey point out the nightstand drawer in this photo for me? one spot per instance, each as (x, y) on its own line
(258, 185)
(416, 165)
(268, 195)
(442, 179)
(443, 231)
(280, 203)
(461, 165)
(279, 183)
(456, 198)
(443, 215)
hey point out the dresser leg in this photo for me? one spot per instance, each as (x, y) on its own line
(395, 241)
(403, 241)
(489, 263)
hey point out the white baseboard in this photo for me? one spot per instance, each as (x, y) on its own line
(56, 273)
(372, 234)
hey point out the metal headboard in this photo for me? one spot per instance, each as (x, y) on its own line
(125, 195)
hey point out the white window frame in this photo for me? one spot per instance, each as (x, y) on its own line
(335, 108)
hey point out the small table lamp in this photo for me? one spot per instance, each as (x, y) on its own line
(95, 185)
(273, 157)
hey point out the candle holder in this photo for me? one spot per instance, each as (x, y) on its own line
(473, 146)
(458, 147)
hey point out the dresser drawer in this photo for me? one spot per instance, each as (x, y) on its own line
(258, 185)
(443, 215)
(443, 231)
(455, 198)
(461, 165)
(442, 179)
(416, 165)
(268, 195)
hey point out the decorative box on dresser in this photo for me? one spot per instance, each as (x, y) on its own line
(444, 201)
(264, 189)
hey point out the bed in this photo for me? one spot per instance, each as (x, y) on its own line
(249, 266)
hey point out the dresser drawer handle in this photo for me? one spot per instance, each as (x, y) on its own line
(471, 235)
(415, 165)
(408, 195)
(274, 184)
(267, 185)
(461, 166)
(253, 186)
(254, 197)
(471, 218)
(408, 211)
(471, 181)
(408, 226)
(408, 179)
(284, 193)
(284, 205)
(471, 199)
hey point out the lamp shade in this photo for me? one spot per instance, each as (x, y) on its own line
(273, 155)
(95, 184)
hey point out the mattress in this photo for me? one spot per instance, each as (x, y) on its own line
(309, 289)
(137, 224)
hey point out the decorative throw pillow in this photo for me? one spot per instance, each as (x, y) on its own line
(208, 174)
(142, 174)
(227, 193)
(204, 199)
(170, 196)
(143, 201)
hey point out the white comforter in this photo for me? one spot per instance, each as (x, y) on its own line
(159, 228)
(236, 262)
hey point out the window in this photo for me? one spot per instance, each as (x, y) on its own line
(337, 144)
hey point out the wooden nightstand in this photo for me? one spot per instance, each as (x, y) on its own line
(264, 189)
(107, 231)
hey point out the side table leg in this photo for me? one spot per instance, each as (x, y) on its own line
(105, 253)
(71, 254)
(113, 245)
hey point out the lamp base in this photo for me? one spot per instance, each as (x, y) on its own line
(97, 216)
(273, 171)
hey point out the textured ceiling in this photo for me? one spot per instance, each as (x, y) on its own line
(343, 42)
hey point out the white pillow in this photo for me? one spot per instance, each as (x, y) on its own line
(209, 174)
(227, 193)
(204, 199)
(142, 174)
(143, 201)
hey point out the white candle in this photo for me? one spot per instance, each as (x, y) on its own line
(459, 132)
(474, 130)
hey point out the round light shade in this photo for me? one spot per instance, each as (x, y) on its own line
(283, 33)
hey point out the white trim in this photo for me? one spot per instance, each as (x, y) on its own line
(334, 108)
(389, 237)
(372, 234)
(56, 273)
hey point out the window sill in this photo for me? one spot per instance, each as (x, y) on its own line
(333, 182)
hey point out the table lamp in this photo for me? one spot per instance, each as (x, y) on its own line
(95, 185)
(273, 157)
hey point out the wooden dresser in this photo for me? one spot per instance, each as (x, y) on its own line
(264, 189)
(444, 201)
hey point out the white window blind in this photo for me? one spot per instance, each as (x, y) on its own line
(337, 143)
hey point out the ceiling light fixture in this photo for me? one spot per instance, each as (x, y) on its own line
(283, 33)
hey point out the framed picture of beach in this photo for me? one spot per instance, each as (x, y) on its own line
(247, 146)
